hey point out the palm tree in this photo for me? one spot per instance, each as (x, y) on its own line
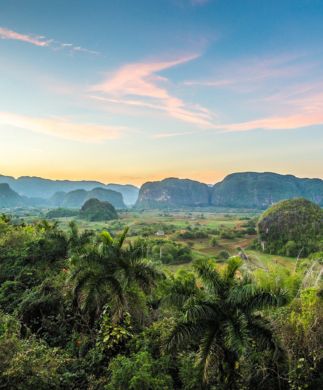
(220, 317)
(76, 240)
(104, 273)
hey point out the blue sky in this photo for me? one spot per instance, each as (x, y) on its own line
(131, 91)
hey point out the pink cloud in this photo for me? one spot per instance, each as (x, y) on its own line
(42, 41)
(252, 73)
(61, 127)
(275, 123)
(141, 80)
(13, 35)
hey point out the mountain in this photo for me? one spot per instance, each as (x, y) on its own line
(173, 192)
(37, 187)
(95, 210)
(76, 199)
(239, 190)
(128, 191)
(260, 190)
(9, 198)
(291, 227)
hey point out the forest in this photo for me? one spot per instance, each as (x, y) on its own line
(162, 300)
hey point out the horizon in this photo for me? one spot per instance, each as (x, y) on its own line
(163, 178)
(140, 91)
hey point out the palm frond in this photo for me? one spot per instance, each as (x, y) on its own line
(209, 275)
(251, 297)
(183, 333)
(233, 264)
(204, 311)
(260, 330)
(208, 352)
(119, 242)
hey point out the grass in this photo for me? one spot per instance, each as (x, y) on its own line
(176, 221)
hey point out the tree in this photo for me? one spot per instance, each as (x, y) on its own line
(106, 272)
(76, 240)
(221, 319)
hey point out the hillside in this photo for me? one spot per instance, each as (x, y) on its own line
(96, 210)
(37, 187)
(9, 198)
(291, 227)
(76, 199)
(249, 190)
(260, 190)
(173, 192)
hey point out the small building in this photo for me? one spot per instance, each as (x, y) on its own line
(160, 233)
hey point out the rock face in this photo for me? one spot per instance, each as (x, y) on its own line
(75, 199)
(261, 190)
(291, 227)
(173, 192)
(9, 198)
(95, 210)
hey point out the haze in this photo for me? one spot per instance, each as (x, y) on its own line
(129, 91)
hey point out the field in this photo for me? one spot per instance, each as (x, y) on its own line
(212, 228)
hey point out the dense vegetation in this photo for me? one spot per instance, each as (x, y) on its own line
(292, 227)
(95, 210)
(61, 213)
(85, 309)
(261, 190)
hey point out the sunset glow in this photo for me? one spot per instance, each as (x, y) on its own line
(135, 91)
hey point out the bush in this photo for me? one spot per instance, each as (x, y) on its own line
(223, 255)
(138, 372)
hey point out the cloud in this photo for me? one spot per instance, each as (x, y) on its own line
(13, 35)
(251, 73)
(142, 81)
(287, 122)
(277, 123)
(41, 41)
(62, 127)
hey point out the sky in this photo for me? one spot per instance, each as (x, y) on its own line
(131, 91)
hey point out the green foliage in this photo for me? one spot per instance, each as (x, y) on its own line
(112, 336)
(104, 272)
(222, 321)
(292, 228)
(223, 255)
(138, 372)
(214, 242)
(80, 310)
(61, 213)
(29, 363)
(96, 210)
(300, 328)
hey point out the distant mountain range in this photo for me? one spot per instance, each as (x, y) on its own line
(239, 190)
(249, 190)
(37, 187)
(77, 198)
